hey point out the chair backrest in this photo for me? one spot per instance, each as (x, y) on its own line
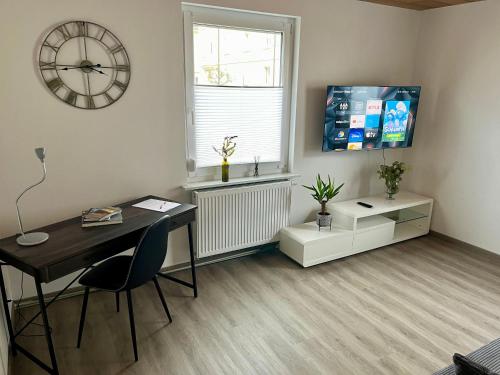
(149, 254)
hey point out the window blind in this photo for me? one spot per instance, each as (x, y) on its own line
(254, 114)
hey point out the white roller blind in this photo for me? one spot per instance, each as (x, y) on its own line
(254, 114)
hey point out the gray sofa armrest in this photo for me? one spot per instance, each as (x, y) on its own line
(488, 356)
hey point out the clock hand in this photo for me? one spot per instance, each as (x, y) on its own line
(98, 71)
(71, 65)
(68, 67)
(108, 67)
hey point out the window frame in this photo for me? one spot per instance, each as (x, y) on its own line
(242, 19)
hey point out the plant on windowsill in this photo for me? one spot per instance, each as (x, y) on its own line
(392, 174)
(322, 193)
(227, 149)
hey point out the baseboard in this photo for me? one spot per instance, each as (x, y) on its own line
(33, 301)
(463, 244)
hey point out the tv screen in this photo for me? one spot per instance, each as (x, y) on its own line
(370, 117)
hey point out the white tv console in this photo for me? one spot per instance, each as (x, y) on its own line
(356, 228)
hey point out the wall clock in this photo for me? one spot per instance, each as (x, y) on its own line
(84, 64)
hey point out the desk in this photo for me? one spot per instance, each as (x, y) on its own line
(71, 248)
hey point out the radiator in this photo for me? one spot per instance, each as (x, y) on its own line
(236, 218)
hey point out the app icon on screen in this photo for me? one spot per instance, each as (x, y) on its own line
(355, 146)
(369, 146)
(342, 121)
(356, 135)
(340, 147)
(373, 107)
(395, 120)
(342, 108)
(341, 135)
(357, 121)
(371, 133)
(372, 121)
(358, 107)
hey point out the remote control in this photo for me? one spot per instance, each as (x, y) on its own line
(365, 205)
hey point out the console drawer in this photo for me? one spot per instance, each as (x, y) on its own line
(308, 246)
(372, 232)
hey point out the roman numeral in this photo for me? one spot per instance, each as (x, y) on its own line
(90, 102)
(103, 33)
(47, 65)
(108, 98)
(63, 30)
(53, 48)
(123, 68)
(82, 28)
(117, 49)
(122, 86)
(55, 84)
(71, 98)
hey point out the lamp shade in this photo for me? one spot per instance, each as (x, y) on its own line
(40, 153)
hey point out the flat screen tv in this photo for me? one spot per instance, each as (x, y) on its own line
(370, 117)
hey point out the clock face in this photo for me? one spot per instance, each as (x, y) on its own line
(84, 65)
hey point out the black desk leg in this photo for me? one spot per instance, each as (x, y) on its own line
(48, 336)
(7, 315)
(191, 253)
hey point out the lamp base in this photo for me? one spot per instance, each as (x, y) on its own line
(32, 239)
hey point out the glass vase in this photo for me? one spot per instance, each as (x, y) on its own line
(392, 188)
(225, 170)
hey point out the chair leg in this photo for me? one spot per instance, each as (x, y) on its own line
(117, 295)
(82, 316)
(132, 323)
(163, 302)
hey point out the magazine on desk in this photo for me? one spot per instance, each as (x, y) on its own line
(95, 217)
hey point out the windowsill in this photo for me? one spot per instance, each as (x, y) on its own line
(189, 186)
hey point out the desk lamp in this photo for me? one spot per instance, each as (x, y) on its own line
(35, 238)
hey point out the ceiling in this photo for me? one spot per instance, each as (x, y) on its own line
(421, 4)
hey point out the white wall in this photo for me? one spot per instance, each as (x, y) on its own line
(457, 155)
(343, 42)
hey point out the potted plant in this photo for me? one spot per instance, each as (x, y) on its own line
(392, 174)
(323, 192)
(227, 149)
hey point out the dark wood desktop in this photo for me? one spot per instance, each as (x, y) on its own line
(72, 248)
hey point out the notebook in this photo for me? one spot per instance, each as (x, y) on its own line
(156, 205)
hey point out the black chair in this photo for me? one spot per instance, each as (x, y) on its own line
(124, 273)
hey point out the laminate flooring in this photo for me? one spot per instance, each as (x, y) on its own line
(402, 309)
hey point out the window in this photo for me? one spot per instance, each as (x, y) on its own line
(236, 57)
(238, 81)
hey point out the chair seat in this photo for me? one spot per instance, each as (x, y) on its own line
(108, 275)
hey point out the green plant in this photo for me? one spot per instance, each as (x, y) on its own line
(323, 191)
(228, 147)
(392, 174)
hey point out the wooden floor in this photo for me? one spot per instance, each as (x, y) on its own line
(403, 309)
